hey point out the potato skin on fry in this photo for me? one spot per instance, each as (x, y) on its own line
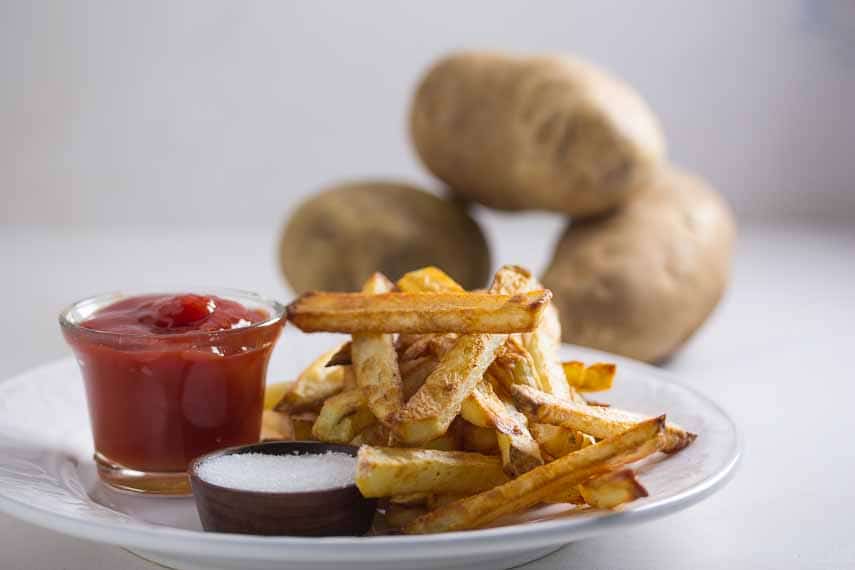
(337, 238)
(433, 407)
(612, 490)
(343, 417)
(386, 471)
(375, 363)
(546, 481)
(315, 384)
(463, 313)
(598, 421)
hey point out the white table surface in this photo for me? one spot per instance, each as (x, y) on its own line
(777, 355)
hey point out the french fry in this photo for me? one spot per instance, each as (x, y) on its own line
(558, 441)
(276, 425)
(414, 373)
(594, 378)
(465, 313)
(612, 490)
(315, 384)
(376, 434)
(375, 363)
(483, 408)
(428, 280)
(302, 425)
(273, 393)
(541, 343)
(604, 492)
(436, 501)
(398, 516)
(411, 499)
(519, 451)
(385, 472)
(429, 412)
(342, 417)
(451, 440)
(429, 345)
(546, 481)
(515, 365)
(342, 357)
(479, 439)
(596, 421)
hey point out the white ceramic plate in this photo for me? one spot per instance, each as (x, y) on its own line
(47, 477)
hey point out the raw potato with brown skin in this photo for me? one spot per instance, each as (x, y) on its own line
(343, 234)
(547, 132)
(642, 280)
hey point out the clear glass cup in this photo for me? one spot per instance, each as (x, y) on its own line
(158, 401)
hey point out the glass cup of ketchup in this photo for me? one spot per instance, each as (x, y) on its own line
(170, 377)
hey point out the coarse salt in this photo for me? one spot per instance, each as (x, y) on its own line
(279, 473)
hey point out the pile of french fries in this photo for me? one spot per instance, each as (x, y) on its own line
(461, 406)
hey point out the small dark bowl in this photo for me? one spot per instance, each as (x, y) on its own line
(329, 512)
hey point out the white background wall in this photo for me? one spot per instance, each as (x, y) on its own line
(225, 113)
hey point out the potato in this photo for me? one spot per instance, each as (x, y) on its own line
(336, 239)
(641, 280)
(544, 132)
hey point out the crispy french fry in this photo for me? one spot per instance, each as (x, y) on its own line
(342, 357)
(315, 384)
(415, 372)
(558, 441)
(411, 499)
(603, 492)
(570, 496)
(519, 451)
(376, 434)
(436, 501)
(612, 490)
(596, 421)
(451, 440)
(429, 280)
(515, 365)
(479, 410)
(480, 439)
(429, 345)
(375, 363)
(276, 425)
(429, 412)
(398, 515)
(546, 481)
(466, 313)
(342, 417)
(273, 393)
(594, 378)
(541, 343)
(302, 425)
(384, 472)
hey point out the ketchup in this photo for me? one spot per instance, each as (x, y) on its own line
(172, 377)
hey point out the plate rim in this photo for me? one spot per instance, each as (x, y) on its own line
(177, 541)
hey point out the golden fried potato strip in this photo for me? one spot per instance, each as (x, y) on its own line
(389, 471)
(546, 481)
(375, 363)
(315, 384)
(612, 490)
(596, 377)
(465, 313)
(430, 411)
(594, 420)
(343, 417)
